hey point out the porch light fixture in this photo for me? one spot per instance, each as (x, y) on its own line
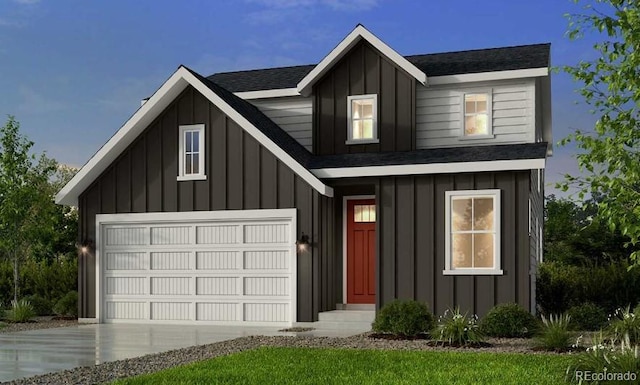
(84, 246)
(303, 243)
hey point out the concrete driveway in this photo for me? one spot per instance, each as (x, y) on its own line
(29, 353)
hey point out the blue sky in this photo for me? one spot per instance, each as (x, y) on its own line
(73, 71)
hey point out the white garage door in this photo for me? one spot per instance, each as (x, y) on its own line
(224, 267)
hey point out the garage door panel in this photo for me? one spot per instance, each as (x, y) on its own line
(126, 285)
(126, 310)
(170, 285)
(217, 234)
(217, 286)
(171, 235)
(217, 311)
(266, 233)
(266, 286)
(126, 261)
(269, 312)
(218, 260)
(170, 311)
(127, 236)
(205, 270)
(170, 260)
(266, 260)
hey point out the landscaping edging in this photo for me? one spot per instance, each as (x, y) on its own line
(111, 371)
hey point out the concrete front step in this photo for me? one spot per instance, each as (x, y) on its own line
(346, 316)
(329, 325)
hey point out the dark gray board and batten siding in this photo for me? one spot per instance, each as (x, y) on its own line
(241, 174)
(411, 215)
(362, 71)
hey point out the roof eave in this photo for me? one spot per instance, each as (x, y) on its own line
(305, 86)
(145, 115)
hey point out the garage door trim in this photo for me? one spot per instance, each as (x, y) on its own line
(194, 217)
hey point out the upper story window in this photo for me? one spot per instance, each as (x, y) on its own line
(362, 111)
(472, 234)
(191, 152)
(477, 115)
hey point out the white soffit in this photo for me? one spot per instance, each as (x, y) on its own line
(430, 168)
(359, 33)
(164, 96)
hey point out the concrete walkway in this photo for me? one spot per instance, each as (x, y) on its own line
(29, 353)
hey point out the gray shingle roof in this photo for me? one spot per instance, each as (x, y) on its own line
(310, 161)
(435, 155)
(437, 64)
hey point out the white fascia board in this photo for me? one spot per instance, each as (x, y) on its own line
(145, 115)
(485, 76)
(431, 168)
(360, 32)
(265, 94)
(258, 135)
(108, 153)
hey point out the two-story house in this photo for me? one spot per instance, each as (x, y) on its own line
(269, 196)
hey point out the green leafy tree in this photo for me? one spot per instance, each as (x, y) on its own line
(24, 196)
(609, 158)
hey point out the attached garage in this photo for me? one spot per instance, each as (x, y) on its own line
(218, 267)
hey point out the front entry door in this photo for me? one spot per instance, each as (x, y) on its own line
(361, 251)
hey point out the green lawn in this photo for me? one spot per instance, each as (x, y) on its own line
(341, 366)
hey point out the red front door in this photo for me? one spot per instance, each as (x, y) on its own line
(361, 251)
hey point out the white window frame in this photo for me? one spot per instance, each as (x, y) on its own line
(350, 139)
(181, 152)
(463, 113)
(496, 196)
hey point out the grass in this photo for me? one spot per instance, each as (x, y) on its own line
(269, 365)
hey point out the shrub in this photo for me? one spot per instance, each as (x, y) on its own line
(587, 316)
(404, 318)
(509, 320)
(21, 311)
(554, 334)
(559, 287)
(67, 305)
(625, 324)
(456, 328)
(604, 357)
(41, 306)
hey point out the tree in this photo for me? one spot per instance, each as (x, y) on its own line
(609, 157)
(574, 235)
(24, 194)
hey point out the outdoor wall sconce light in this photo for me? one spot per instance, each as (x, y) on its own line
(303, 243)
(84, 246)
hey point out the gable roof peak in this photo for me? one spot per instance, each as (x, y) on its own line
(359, 33)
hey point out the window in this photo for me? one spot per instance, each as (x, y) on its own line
(191, 148)
(364, 213)
(472, 220)
(362, 113)
(477, 115)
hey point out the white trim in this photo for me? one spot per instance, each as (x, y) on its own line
(144, 116)
(265, 94)
(463, 113)
(196, 216)
(431, 168)
(359, 33)
(374, 129)
(199, 128)
(486, 76)
(344, 239)
(497, 202)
